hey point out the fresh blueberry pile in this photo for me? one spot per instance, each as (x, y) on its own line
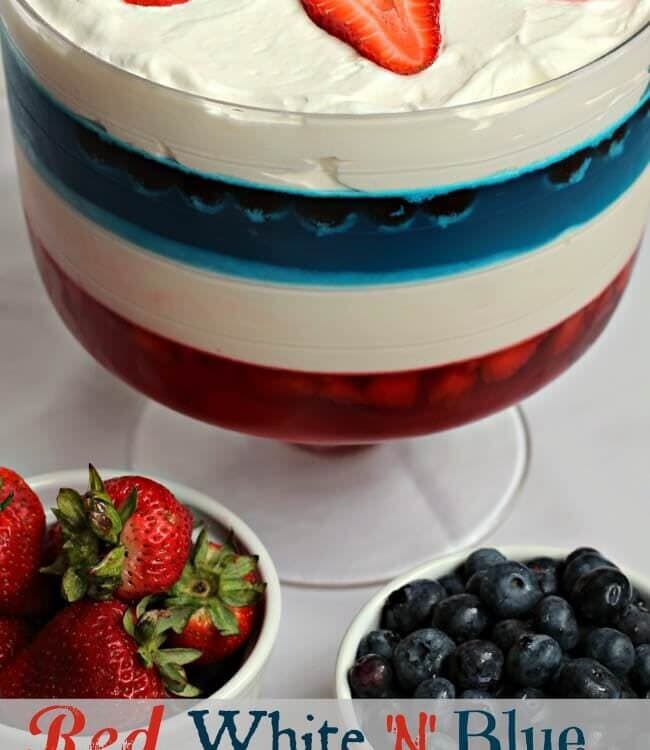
(495, 628)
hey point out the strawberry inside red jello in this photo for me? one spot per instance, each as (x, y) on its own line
(401, 35)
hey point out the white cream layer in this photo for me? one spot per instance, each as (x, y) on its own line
(268, 53)
(361, 330)
(390, 153)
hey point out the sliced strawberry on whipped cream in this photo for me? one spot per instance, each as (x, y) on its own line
(401, 35)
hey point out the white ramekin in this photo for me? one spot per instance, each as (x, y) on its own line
(246, 682)
(368, 617)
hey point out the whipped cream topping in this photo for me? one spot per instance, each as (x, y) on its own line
(268, 53)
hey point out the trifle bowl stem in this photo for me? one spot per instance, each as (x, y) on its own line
(340, 516)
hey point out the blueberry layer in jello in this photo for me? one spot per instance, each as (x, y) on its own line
(274, 236)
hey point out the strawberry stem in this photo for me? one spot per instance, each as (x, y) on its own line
(217, 579)
(150, 630)
(92, 558)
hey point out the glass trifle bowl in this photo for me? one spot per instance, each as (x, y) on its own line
(302, 285)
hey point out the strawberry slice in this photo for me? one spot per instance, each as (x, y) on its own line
(401, 35)
(506, 363)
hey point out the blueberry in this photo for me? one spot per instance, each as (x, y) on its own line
(326, 213)
(260, 205)
(602, 594)
(554, 616)
(380, 642)
(627, 691)
(507, 632)
(371, 677)
(476, 695)
(546, 572)
(580, 565)
(150, 174)
(581, 551)
(203, 193)
(390, 212)
(635, 623)
(611, 144)
(510, 589)
(587, 678)
(437, 687)
(533, 660)
(482, 559)
(462, 617)
(101, 150)
(450, 205)
(641, 672)
(420, 656)
(453, 584)
(476, 665)
(572, 169)
(411, 606)
(612, 649)
(474, 583)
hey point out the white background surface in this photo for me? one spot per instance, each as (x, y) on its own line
(589, 483)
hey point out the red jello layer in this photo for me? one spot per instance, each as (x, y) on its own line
(320, 408)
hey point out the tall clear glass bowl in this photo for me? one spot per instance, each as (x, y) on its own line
(332, 281)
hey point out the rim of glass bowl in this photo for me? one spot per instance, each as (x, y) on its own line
(602, 60)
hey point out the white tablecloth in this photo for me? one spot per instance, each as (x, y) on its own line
(589, 483)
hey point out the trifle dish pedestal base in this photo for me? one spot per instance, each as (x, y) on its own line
(348, 516)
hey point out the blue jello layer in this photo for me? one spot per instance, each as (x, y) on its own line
(268, 235)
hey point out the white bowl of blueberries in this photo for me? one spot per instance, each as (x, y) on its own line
(515, 623)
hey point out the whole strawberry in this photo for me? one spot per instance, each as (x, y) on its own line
(22, 526)
(15, 634)
(98, 650)
(128, 537)
(222, 591)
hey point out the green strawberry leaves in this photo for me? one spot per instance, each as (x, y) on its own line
(110, 566)
(129, 507)
(95, 482)
(150, 629)
(73, 586)
(217, 579)
(92, 558)
(222, 618)
(4, 504)
(70, 509)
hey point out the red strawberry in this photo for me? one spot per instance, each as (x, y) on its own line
(157, 537)
(505, 364)
(342, 389)
(22, 526)
(53, 543)
(221, 589)
(15, 634)
(283, 384)
(567, 333)
(397, 391)
(401, 35)
(95, 650)
(129, 537)
(452, 383)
